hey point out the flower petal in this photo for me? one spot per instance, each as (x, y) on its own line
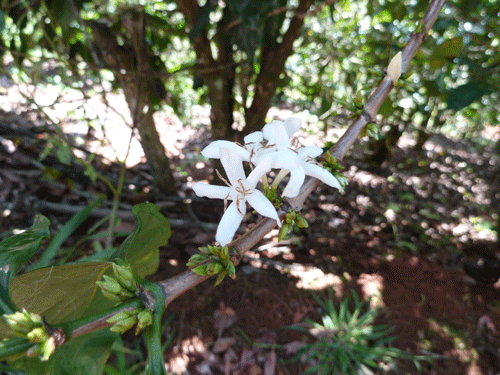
(254, 137)
(286, 159)
(322, 175)
(212, 191)
(263, 166)
(297, 177)
(292, 124)
(233, 165)
(229, 224)
(276, 133)
(212, 151)
(310, 152)
(262, 205)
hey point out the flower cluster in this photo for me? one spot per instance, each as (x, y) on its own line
(264, 150)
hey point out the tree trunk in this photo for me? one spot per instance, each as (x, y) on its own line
(272, 65)
(138, 83)
(219, 74)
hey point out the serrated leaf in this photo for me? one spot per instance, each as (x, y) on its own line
(141, 248)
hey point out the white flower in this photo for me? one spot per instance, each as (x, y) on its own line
(278, 132)
(212, 151)
(299, 164)
(242, 190)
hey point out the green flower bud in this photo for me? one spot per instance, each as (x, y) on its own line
(358, 100)
(110, 296)
(19, 321)
(125, 294)
(301, 222)
(145, 318)
(124, 325)
(38, 335)
(110, 284)
(122, 315)
(125, 277)
(47, 348)
(284, 231)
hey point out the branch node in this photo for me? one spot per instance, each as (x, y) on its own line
(367, 116)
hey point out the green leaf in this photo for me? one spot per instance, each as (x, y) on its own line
(15, 252)
(201, 270)
(59, 293)
(141, 248)
(2, 21)
(61, 236)
(202, 19)
(466, 94)
(449, 48)
(64, 153)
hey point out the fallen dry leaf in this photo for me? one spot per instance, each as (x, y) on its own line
(224, 318)
(222, 344)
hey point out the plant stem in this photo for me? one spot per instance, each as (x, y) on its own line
(156, 362)
(92, 323)
(13, 346)
(114, 209)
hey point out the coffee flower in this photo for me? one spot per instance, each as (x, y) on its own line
(299, 164)
(240, 190)
(265, 150)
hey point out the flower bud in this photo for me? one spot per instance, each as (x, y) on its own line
(124, 325)
(284, 231)
(19, 321)
(122, 315)
(125, 277)
(110, 296)
(38, 335)
(301, 222)
(145, 318)
(47, 348)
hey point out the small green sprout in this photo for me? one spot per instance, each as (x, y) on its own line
(331, 165)
(292, 218)
(213, 260)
